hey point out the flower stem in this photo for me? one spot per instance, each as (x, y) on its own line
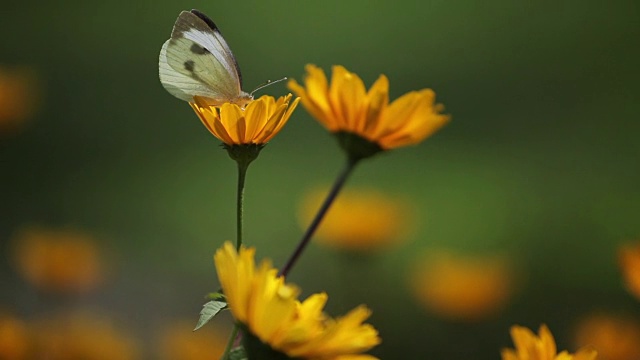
(242, 172)
(232, 340)
(306, 238)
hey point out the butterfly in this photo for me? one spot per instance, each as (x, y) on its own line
(196, 61)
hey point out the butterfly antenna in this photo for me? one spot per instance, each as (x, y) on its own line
(267, 83)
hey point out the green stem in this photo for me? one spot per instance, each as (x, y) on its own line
(243, 156)
(232, 340)
(306, 238)
(242, 172)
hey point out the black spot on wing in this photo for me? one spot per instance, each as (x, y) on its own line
(206, 19)
(199, 50)
(215, 29)
(189, 65)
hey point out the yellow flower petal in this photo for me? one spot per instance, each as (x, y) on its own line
(378, 97)
(258, 112)
(508, 354)
(273, 123)
(289, 110)
(586, 354)
(346, 96)
(317, 89)
(540, 347)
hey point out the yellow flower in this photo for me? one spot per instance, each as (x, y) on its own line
(462, 287)
(346, 107)
(614, 337)
(256, 123)
(179, 341)
(358, 220)
(268, 308)
(541, 347)
(58, 260)
(629, 259)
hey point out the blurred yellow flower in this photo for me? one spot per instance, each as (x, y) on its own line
(14, 338)
(462, 287)
(58, 260)
(179, 341)
(257, 123)
(614, 337)
(629, 259)
(83, 336)
(17, 97)
(346, 106)
(540, 347)
(358, 220)
(268, 308)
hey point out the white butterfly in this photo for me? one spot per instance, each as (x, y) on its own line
(196, 61)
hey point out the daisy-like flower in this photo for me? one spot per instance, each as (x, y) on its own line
(257, 123)
(540, 347)
(244, 131)
(274, 321)
(364, 121)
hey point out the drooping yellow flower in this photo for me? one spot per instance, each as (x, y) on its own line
(268, 308)
(629, 259)
(257, 123)
(359, 220)
(462, 287)
(614, 337)
(345, 107)
(58, 260)
(528, 346)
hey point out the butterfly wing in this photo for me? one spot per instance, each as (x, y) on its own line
(182, 86)
(197, 61)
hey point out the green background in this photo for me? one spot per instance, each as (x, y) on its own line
(540, 159)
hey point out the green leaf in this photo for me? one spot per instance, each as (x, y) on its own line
(209, 310)
(238, 354)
